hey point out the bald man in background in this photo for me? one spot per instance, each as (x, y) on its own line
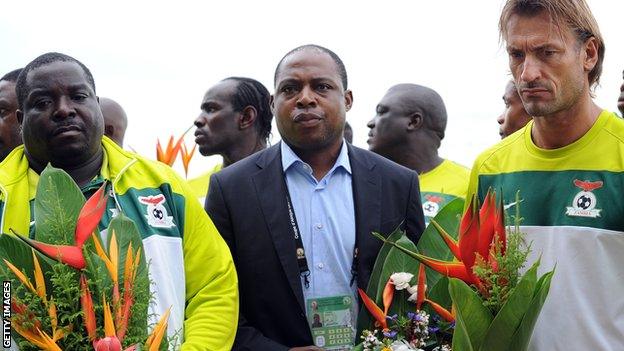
(515, 116)
(408, 129)
(115, 120)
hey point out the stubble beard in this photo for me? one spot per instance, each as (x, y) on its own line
(562, 102)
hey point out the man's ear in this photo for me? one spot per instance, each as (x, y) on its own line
(415, 121)
(348, 99)
(20, 116)
(590, 54)
(109, 131)
(272, 104)
(247, 117)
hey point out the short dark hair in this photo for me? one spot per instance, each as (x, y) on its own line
(11, 76)
(342, 71)
(250, 92)
(22, 90)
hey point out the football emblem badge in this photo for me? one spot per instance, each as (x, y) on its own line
(157, 215)
(584, 203)
(432, 205)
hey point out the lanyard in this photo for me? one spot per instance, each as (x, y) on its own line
(302, 262)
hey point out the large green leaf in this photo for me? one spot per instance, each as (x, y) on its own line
(398, 261)
(432, 245)
(57, 206)
(374, 279)
(126, 232)
(440, 293)
(365, 321)
(520, 340)
(508, 319)
(472, 319)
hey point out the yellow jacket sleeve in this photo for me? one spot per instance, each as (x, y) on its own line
(211, 313)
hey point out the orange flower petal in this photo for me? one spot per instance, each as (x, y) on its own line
(441, 311)
(373, 309)
(388, 295)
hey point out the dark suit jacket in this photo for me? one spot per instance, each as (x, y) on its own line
(247, 203)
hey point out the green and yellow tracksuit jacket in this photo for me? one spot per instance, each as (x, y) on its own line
(191, 268)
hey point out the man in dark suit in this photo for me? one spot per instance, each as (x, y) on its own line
(311, 190)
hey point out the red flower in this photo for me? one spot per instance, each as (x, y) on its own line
(478, 234)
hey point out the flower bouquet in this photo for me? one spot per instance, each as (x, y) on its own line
(495, 307)
(71, 288)
(412, 329)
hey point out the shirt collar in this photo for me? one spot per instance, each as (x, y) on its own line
(289, 157)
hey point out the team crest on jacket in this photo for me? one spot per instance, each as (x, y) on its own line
(157, 215)
(432, 205)
(584, 203)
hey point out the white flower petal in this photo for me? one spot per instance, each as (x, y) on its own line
(401, 280)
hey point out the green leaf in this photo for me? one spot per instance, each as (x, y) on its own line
(506, 322)
(520, 340)
(365, 321)
(440, 294)
(431, 243)
(398, 261)
(57, 206)
(472, 319)
(374, 279)
(126, 232)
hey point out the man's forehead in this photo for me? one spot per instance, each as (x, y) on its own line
(535, 29)
(58, 72)
(402, 97)
(310, 60)
(7, 88)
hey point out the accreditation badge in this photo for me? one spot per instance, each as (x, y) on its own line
(332, 321)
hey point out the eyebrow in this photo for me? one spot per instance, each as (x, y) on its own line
(208, 103)
(313, 80)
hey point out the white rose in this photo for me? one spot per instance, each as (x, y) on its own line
(413, 291)
(401, 280)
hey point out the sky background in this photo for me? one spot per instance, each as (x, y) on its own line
(157, 59)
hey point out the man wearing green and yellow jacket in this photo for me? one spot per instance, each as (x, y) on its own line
(190, 266)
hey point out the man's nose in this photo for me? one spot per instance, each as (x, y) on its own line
(501, 119)
(64, 108)
(530, 70)
(371, 123)
(200, 121)
(306, 98)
